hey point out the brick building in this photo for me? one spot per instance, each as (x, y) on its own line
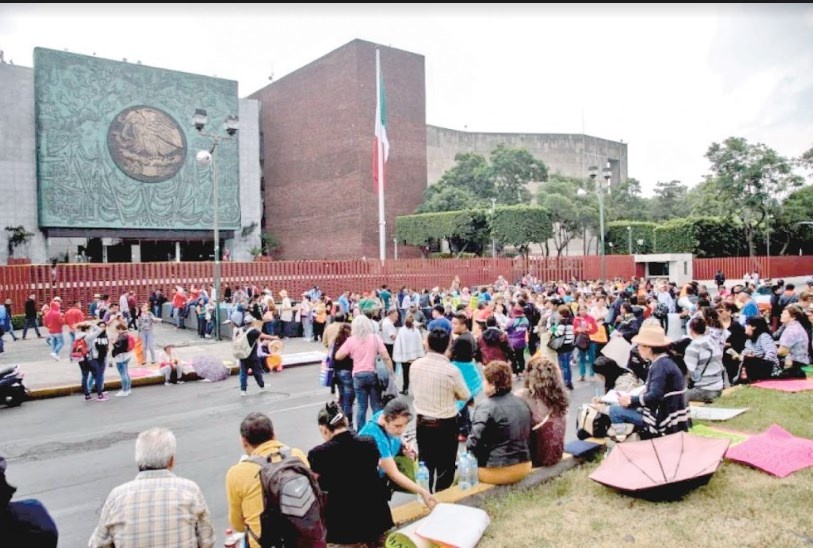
(317, 143)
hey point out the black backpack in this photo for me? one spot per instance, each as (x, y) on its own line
(293, 504)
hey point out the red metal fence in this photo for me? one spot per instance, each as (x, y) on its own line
(81, 281)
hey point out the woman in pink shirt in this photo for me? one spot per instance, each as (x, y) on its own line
(363, 347)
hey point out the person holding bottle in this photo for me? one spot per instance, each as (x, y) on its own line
(346, 465)
(386, 427)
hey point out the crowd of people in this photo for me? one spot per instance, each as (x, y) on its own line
(487, 367)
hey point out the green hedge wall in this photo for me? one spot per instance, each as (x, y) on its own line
(617, 233)
(705, 237)
(424, 227)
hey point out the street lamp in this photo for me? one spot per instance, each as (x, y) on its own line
(600, 188)
(205, 158)
(629, 240)
(493, 243)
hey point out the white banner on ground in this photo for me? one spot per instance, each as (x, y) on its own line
(714, 413)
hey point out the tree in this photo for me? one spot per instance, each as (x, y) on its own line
(669, 201)
(473, 181)
(796, 210)
(806, 159)
(750, 180)
(624, 201)
(571, 214)
(521, 226)
(703, 200)
(446, 197)
(17, 236)
(511, 170)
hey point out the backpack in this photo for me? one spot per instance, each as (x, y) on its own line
(80, 349)
(661, 311)
(293, 504)
(131, 342)
(240, 347)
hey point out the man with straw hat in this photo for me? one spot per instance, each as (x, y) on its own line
(660, 409)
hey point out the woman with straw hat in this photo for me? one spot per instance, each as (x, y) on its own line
(661, 408)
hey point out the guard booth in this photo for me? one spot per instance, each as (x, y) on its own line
(677, 267)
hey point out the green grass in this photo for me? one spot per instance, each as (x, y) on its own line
(739, 507)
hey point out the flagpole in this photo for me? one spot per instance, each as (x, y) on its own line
(382, 223)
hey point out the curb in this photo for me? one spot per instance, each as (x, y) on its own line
(411, 511)
(67, 390)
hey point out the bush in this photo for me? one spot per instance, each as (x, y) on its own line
(705, 237)
(17, 321)
(443, 255)
(618, 234)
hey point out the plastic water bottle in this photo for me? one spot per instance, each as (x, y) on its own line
(233, 540)
(473, 471)
(464, 472)
(422, 478)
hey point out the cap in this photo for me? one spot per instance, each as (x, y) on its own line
(810, 280)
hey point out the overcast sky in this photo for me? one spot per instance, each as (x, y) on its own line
(666, 80)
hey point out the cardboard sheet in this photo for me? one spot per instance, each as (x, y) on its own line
(715, 413)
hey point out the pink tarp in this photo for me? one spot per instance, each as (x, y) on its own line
(795, 385)
(775, 451)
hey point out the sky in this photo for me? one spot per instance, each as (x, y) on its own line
(668, 80)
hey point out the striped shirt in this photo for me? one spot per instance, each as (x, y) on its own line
(704, 361)
(437, 385)
(156, 509)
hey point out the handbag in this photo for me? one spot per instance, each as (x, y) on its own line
(582, 341)
(382, 373)
(591, 423)
(555, 343)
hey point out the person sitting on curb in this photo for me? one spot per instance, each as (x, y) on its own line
(170, 364)
(501, 430)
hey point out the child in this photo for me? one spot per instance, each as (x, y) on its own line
(269, 354)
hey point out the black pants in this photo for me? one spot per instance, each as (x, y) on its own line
(318, 330)
(437, 443)
(405, 369)
(533, 342)
(757, 369)
(519, 360)
(88, 368)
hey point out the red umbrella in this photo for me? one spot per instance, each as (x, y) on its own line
(662, 468)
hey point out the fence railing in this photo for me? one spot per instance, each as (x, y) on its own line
(80, 281)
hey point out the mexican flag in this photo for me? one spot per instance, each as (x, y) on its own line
(382, 145)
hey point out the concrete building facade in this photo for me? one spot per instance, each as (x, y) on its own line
(317, 126)
(566, 153)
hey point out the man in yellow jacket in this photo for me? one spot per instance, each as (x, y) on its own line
(243, 488)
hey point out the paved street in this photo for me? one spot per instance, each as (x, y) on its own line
(70, 453)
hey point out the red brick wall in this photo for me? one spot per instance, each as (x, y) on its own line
(317, 128)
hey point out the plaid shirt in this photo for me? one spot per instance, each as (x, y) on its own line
(156, 509)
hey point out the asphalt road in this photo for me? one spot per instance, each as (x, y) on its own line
(70, 453)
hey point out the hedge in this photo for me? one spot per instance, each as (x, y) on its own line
(521, 225)
(617, 233)
(705, 237)
(423, 227)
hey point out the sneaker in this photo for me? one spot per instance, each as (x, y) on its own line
(120, 393)
(181, 382)
(54, 356)
(570, 386)
(167, 383)
(243, 393)
(103, 397)
(87, 398)
(262, 389)
(581, 379)
(128, 392)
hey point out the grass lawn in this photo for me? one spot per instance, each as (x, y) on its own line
(739, 507)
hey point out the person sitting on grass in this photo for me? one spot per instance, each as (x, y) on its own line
(704, 362)
(501, 430)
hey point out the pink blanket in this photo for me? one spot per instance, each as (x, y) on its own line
(791, 385)
(775, 451)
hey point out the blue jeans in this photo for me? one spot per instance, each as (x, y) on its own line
(619, 414)
(124, 373)
(148, 344)
(586, 359)
(88, 368)
(366, 386)
(564, 365)
(57, 342)
(256, 370)
(31, 322)
(347, 394)
(307, 328)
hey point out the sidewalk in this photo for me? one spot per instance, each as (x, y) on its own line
(48, 378)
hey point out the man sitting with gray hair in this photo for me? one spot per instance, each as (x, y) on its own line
(157, 508)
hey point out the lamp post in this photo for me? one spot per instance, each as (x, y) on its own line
(768, 244)
(206, 158)
(629, 240)
(493, 243)
(600, 188)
